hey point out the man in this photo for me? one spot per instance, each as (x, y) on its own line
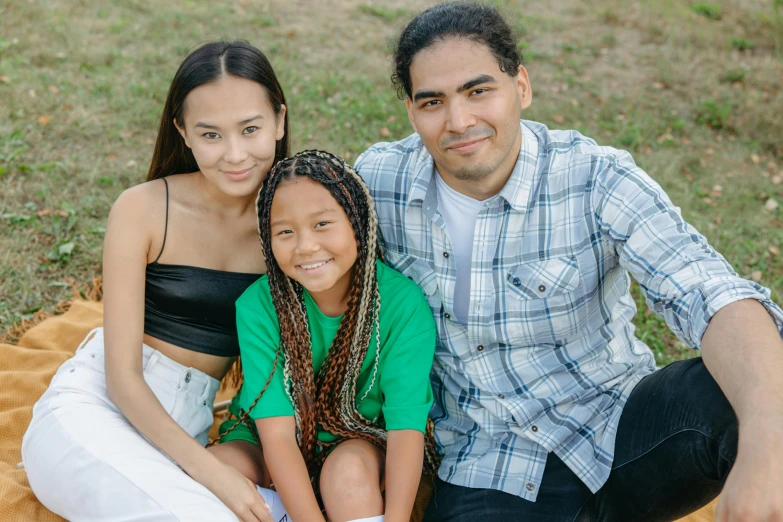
(547, 406)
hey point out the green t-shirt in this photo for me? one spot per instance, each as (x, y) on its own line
(401, 395)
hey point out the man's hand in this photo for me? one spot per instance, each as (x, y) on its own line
(754, 489)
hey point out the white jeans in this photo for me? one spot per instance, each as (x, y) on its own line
(86, 462)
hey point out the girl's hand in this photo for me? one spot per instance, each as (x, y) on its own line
(239, 494)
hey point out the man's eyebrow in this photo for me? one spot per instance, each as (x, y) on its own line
(478, 80)
(202, 125)
(423, 95)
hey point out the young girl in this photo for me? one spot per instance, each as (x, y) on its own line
(120, 433)
(336, 351)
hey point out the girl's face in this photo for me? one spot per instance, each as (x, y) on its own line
(232, 129)
(313, 241)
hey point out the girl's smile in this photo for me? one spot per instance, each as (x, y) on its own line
(313, 241)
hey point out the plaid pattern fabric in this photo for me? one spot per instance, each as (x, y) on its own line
(548, 356)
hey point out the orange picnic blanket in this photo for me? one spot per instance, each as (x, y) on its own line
(30, 355)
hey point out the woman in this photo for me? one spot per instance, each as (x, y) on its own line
(120, 433)
(336, 350)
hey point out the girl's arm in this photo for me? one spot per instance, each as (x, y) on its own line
(404, 457)
(126, 250)
(287, 468)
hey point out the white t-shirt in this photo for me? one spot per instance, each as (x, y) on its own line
(459, 213)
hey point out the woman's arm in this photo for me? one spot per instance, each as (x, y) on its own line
(126, 250)
(404, 457)
(287, 467)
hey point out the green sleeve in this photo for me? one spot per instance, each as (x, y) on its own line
(406, 363)
(259, 338)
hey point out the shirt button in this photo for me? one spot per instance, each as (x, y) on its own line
(445, 254)
(447, 316)
(530, 487)
(516, 281)
(187, 377)
(541, 288)
(500, 395)
(534, 428)
(480, 347)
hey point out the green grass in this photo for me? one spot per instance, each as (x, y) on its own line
(711, 11)
(82, 85)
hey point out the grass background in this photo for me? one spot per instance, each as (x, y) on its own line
(692, 89)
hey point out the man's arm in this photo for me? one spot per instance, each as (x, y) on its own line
(743, 351)
(708, 306)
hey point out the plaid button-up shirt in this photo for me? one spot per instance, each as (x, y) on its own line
(548, 356)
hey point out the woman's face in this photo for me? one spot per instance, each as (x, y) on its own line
(312, 239)
(232, 129)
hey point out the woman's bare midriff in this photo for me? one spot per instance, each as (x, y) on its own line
(213, 365)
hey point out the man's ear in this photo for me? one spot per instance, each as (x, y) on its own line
(280, 131)
(183, 134)
(409, 107)
(524, 89)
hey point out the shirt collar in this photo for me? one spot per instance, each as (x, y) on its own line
(516, 191)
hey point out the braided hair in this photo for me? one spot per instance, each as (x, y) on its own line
(329, 397)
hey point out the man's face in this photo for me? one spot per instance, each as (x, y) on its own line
(466, 109)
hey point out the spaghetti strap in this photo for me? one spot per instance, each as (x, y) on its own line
(165, 230)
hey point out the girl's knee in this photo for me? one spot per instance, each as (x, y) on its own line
(245, 457)
(351, 475)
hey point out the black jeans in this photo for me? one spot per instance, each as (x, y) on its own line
(676, 443)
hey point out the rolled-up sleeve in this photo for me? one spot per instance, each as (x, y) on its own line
(683, 278)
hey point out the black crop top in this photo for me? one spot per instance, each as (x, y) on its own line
(193, 307)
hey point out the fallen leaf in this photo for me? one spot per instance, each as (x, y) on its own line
(664, 137)
(62, 213)
(149, 141)
(718, 220)
(771, 205)
(385, 132)
(575, 102)
(43, 120)
(111, 157)
(710, 151)
(658, 85)
(131, 164)
(291, 34)
(559, 118)
(756, 275)
(67, 107)
(54, 89)
(755, 158)
(4, 79)
(717, 188)
(708, 201)
(126, 134)
(647, 150)
(777, 180)
(392, 118)
(323, 123)
(775, 251)
(685, 140)
(346, 155)
(44, 212)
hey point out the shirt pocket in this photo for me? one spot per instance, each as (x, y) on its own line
(544, 301)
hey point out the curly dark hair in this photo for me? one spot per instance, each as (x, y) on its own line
(477, 22)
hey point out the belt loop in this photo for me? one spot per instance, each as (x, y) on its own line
(89, 337)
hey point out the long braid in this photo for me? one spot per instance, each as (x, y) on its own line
(328, 398)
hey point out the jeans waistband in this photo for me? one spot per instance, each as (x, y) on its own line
(156, 363)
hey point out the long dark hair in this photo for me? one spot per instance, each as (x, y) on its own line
(209, 63)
